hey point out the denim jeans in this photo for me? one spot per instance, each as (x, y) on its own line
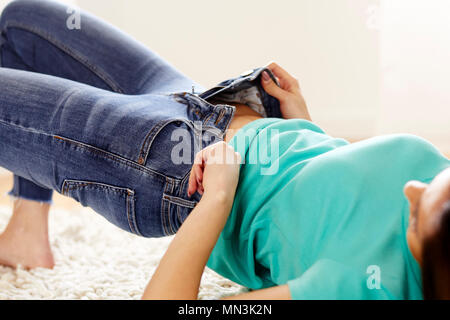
(91, 113)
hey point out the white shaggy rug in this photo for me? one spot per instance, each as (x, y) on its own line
(96, 260)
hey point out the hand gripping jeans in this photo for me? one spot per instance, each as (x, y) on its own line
(98, 117)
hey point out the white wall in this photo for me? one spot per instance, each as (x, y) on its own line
(3, 3)
(415, 62)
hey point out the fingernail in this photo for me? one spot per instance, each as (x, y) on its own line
(266, 76)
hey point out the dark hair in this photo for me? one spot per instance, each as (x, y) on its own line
(436, 259)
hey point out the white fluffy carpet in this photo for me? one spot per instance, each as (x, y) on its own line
(96, 260)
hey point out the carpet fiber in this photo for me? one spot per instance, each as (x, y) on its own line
(96, 260)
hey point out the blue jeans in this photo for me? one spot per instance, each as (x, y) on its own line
(91, 113)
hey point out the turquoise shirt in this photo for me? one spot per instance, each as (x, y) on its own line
(324, 216)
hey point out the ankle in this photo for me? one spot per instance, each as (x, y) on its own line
(21, 204)
(29, 221)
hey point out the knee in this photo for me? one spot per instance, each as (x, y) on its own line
(14, 11)
(28, 12)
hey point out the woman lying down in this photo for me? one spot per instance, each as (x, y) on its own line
(250, 185)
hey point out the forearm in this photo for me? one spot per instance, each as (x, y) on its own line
(180, 270)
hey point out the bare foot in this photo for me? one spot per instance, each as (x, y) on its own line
(29, 253)
(25, 239)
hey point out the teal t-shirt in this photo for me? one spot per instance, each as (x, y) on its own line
(324, 216)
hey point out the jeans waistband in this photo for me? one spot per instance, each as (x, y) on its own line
(212, 116)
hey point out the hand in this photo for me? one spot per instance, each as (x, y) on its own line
(215, 172)
(292, 104)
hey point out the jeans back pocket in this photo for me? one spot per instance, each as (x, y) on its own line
(115, 204)
(174, 211)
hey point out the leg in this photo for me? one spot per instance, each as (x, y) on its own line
(106, 150)
(34, 37)
(55, 131)
(25, 239)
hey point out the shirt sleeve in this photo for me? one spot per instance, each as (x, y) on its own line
(331, 280)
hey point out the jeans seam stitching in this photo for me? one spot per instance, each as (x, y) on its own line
(110, 155)
(128, 216)
(33, 130)
(179, 201)
(168, 217)
(178, 214)
(205, 121)
(78, 57)
(148, 141)
(73, 184)
(70, 184)
(131, 215)
(222, 112)
(164, 211)
(182, 182)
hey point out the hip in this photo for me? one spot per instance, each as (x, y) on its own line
(242, 116)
